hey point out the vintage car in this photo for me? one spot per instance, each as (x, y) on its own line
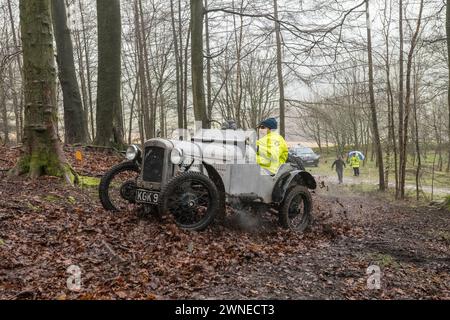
(195, 179)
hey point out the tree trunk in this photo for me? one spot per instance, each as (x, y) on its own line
(162, 114)
(400, 190)
(198, 88)
(407, 109)
(392, 143)
(280, 70)
(88, 70)
(4, 112)
(42, 148)
(416, 125)
(17, 108)
(81, 73)
(208, 65)
(151, 111)
(75, 126)
(133, 103)
(178, 68)
(139, 114)
(19, 112)
(109, 114)
(238, 37)
(185, 78)
(373, 109)
(144, 99)
(183, 63)
(447, 27)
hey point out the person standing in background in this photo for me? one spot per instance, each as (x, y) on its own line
(340, 165)
(355, 164)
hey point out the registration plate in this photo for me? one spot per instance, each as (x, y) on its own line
(145, 196)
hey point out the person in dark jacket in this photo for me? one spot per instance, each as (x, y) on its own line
(340, 165)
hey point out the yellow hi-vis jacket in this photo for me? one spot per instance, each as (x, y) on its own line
(272, 152)
(355, 162)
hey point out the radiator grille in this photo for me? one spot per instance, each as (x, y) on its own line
(153, 164)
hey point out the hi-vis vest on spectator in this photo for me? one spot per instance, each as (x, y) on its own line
(355, 162)
(272, 152)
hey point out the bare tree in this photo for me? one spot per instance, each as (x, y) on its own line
(373, 109)
(75, 124)
(407, 107)
(198, 89)
(109, 114)
(280, 69)
(179, 68)
(18, 107)
(447, 28)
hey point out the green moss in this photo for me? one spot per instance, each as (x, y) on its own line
(89, 182)
(71, 200)
(51, 198)
(440, 235)
(22, 167)
(384, 260)
(51, 166)
(41, 161)
(2, 243)
(24, 164)
(45, 162)
(73, 176)
(34, 208)
(445, 235)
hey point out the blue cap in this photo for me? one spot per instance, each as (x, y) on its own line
(270, 123)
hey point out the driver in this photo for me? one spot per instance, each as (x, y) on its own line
(272, 150)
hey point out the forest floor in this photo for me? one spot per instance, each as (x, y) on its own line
(46, 226)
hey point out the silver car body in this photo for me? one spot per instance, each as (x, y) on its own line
(232, 155)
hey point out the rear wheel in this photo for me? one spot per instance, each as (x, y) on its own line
(192, 199)
(118, 186)
(295, 213)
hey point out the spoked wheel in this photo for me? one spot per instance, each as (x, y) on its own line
(295, 214)
(117, 188)
(192, 199)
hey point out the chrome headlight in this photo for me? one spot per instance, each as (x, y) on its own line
(176, 156)
(132, 153)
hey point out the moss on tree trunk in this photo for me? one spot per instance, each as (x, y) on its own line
(42, 150)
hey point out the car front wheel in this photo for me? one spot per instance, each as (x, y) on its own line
(192, 199)
(117, 187)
